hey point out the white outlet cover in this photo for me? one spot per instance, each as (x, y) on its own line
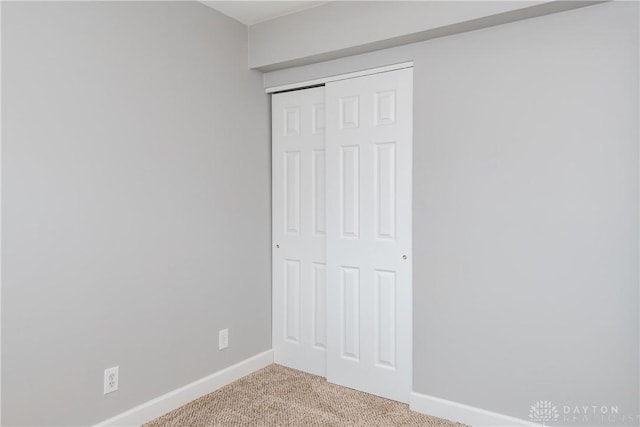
(110, 380)
(223, 339)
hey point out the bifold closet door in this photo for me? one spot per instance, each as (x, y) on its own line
(299, 230)
(369, 159)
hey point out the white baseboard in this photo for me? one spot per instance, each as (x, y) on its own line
(461, 413)
(174, 399)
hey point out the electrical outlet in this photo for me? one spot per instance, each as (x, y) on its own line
(223, 339)
(110, 380)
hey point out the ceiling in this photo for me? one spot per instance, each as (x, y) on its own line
(252, 12)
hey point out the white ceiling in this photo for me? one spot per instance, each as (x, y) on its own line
(252, 12)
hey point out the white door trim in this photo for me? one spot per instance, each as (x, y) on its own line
(277, 121)
(323, 80)
(0, 224)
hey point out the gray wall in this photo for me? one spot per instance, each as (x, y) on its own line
(525, 210)
(136, 204)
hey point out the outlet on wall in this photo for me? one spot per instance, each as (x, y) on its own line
(223, 339)
(110, 380)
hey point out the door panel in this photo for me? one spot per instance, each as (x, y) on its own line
(369, 159)
(299, 228)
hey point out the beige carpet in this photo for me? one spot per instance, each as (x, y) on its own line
(279, 396)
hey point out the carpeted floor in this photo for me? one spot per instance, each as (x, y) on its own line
(279, 396)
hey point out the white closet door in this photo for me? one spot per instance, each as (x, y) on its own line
(369, 158)
(299, 224)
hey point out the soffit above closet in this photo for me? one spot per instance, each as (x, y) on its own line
(252, 12)
(345, 28)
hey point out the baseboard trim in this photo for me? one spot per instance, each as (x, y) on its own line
(154, 408)
(462, 413)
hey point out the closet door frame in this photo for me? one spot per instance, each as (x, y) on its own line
(323, 80)
(308, 84)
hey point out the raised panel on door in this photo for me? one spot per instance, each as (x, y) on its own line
(368, 154)
(299, 230)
